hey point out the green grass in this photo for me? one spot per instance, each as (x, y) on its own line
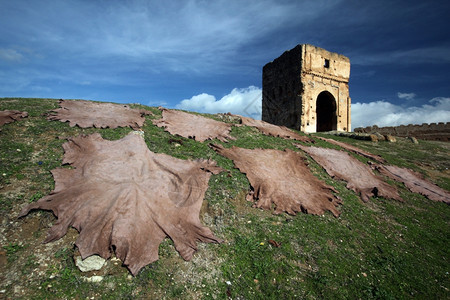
(382, 249)
(12, 251)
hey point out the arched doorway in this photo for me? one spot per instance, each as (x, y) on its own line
(326, 112)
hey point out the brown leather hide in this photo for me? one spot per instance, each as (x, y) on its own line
(282, 179)
(415, 182)
(9, 116)
(100, 115)
(193, 126)
(359, 177)
(274, 130)
(122, 195)
(355, 150)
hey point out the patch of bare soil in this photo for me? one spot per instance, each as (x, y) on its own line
(28, 258)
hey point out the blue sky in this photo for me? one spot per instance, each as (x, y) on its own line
(208, 55)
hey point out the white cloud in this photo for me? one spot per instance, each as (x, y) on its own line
(10, 55)
(407, 96)
(382, 113)
(244, 101)
(247, 102)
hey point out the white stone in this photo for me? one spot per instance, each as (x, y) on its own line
(91, 263)
(139, 132)
(93, 278)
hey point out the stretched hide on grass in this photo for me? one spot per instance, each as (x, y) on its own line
(100, 115)
(282, 178)
(355, 150)
(122, 196)
(193, 126)
(415, 182)
(274, 130)
(9, 116)
(359, 177)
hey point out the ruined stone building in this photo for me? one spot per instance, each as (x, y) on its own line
(306, 88)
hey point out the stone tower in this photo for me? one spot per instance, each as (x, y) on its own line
(306, 89)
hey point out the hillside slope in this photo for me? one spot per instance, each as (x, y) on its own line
(382, 248)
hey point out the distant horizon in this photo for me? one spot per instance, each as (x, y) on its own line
(137, 103)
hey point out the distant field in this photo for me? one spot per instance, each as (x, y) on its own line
(382, 249)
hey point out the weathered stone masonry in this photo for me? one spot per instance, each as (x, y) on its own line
(306, 88)
(433, 131)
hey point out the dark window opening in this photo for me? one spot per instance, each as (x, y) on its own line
(326, 63)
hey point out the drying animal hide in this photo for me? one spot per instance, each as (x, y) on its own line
(122, 196)
(355, 150)
(359, 177)
(193, 126)
(9, 116)
(274, 130)
(415, 182)
(100, 115)
(282, 178)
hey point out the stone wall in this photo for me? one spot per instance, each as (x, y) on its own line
(282, 88)
(294, 82)
(433, 131)
(333, 80)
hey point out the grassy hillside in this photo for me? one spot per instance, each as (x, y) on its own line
(380, 249)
